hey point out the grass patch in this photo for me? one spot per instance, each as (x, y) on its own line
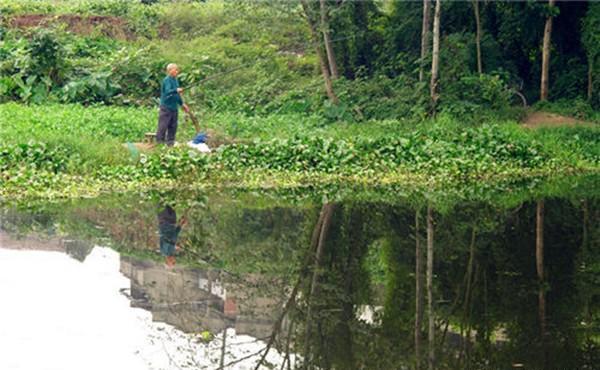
(48, 148)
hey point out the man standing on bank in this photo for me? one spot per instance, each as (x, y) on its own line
(170, 100)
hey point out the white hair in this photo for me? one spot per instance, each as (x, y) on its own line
(171, 66)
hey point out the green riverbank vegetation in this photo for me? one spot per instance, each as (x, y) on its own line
(375, 99)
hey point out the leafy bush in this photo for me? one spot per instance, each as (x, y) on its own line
(473, 95)
(381, 97)
(429, 150)
(192, 20)
(30, 69)
(35, 155)
(176, 164)
(577, 108)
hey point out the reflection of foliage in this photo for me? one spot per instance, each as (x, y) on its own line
(368, 260)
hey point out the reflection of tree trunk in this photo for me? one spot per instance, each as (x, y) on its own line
(326, 212)
(435, 61)
(590, 85)
(328, 47)
(486, 333)
(425, 36)
(431, 336)
(223, 347)
(418, 290)
(584, 251)
(539, 259)
(546, 55)
(468, 292)
(317, 237)
(586, 220)
(288, 340)
(321, 57)
(478, 35)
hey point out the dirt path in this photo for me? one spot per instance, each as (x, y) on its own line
(545, 119)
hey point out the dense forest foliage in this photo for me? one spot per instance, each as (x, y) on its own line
(259, 57)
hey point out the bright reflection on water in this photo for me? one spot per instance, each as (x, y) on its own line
(59, 313)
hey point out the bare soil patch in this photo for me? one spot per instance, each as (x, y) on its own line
(545, 119)
(114, 27)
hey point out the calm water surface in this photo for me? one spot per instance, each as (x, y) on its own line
(245, 280)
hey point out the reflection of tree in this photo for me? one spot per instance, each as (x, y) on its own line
(430, 308)
(319, 237)
(485, 276)
(313, 258)
(539, 264)
(587, 279)
(418, 287)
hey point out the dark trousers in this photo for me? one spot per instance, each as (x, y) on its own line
(167, 126)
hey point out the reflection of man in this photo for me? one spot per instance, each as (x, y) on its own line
(168, 231)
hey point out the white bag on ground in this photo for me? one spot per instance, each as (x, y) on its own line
(202, 147)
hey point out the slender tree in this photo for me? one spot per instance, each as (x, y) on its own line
(591, 42)
(435, 61)
(327, 40)
(425, 36)
(546, 54)
(322, 61)
(478, 35)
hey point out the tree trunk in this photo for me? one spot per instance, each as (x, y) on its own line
(431, 336)
(328, 47)
(425, 37)
(435, 62)
(418, 291)
(546, 56)
(478, 36)
(322, 61)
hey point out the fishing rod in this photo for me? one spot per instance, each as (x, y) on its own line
(307, 44)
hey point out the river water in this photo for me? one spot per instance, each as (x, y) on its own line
(287, 280)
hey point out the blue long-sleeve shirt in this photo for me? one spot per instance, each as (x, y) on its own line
(168, 230)
(168, 93)
(168, 235)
